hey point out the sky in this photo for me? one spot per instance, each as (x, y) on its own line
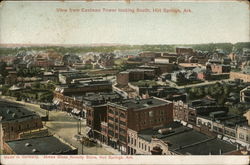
(41, 23)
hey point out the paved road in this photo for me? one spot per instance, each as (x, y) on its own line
(65, 126)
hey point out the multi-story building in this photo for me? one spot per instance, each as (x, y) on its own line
(175, 139)
(184, 112)
(16, 119)
(136, 115)
(96, 107)
(184, 51)
(188, 112)
(243, 136)
(230, 126)
(123, 78)
(48, 145)
(65, 77)
(245, 94)
(65, 96)
(221, 68)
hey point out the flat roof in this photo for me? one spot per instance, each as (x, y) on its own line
(213, 147)
(141, 103)
(10, 111)
(39, 146)
(184, 140)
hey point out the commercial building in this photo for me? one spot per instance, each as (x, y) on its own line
(123, 78)
(220, 68)
(175, 139)
(245, 94)
(65, 96)
(96, 107)
(48, 145)
(184, 51)
(15, 119)
(136, 115)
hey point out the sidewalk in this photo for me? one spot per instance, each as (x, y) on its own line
(110, 149)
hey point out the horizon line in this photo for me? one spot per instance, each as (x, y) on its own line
(107, 44)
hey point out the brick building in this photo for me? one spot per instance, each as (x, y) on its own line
(130, 75)
(164, 68)
(183, 112)
(15, 119)
(150, 55)
(96, 106)
(220, 68)
(175, 139)
(36, 146)
(184, 51)
(135, 115)
(66, 96)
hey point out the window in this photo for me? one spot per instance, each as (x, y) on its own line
(12, 128)
(145, 147)
(122, 138)
(241, 136)
(111, 111)
(116, 113)
(232, 134)
(135, 142)
(215, 128)
(110, 132)
(111, 125)
(148, 149)
(122, 131)
(199, 122)
(132, 140)
(122, 123)
(111, 118)
(209, 125)
(246, 138)
(142, 146)
(128, 139)
(19, 127)
(139, 144)
(28, 126)
(122, 115)
(151, 113)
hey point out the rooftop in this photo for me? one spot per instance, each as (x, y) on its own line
(184, 140)
(98, 98)
(213, 147)
(40, 146)
(9, 112)
(138, 104)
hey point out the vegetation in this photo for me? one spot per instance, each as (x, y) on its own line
(37, 92)
(106, 49)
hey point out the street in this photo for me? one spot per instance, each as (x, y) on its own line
(64, 126)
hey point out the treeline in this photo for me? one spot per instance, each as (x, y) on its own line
(227, 47)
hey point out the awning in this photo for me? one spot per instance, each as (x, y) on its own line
(56, 102)
(75, 111)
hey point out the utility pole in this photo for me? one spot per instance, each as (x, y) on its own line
(80, 131)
